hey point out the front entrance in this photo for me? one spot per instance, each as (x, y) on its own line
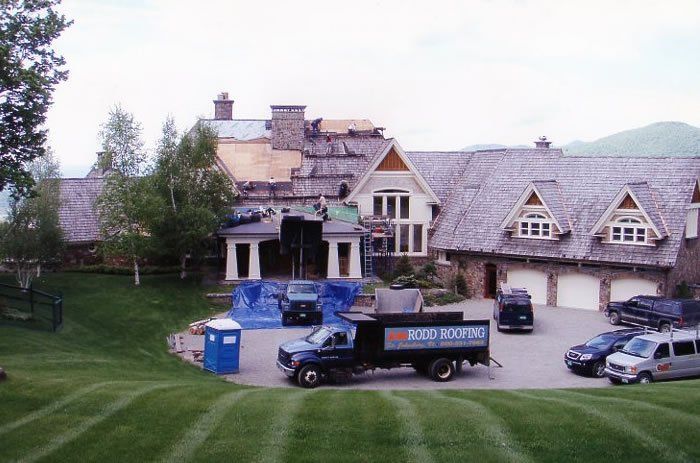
(490, 281)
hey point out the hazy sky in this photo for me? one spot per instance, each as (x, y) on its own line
(437, 75)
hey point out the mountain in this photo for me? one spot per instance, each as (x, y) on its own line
(658, 139)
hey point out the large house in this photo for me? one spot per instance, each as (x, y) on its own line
(576, 231)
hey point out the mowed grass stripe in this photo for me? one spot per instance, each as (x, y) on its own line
(276, 442)
(79, 429)
(615, 422)
(414, 440)
(494, 428)
(52, 407)
(203, 427)
(673, 413)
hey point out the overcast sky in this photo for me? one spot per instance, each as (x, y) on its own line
(437, 75)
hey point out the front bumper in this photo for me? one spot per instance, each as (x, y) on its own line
(578, 364)
(285, 369)
(312, 317)
(516, 327)
(626, 378)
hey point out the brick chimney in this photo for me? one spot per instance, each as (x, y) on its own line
(542, 142)
(287, 127)
(223, 107)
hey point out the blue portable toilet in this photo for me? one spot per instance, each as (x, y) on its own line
(222, 345)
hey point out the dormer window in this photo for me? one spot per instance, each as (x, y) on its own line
(628, 230)
(535, 226)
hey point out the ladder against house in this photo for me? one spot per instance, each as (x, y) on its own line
(369, 254)
(377, 231)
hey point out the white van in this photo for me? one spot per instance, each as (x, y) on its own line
(653, 357)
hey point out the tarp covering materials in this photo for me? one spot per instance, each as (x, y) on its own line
(255, 304)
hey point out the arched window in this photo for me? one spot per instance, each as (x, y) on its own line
(628, 230)
(535, 225)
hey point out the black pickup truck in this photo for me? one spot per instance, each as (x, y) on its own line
(436, 344)
(655, 312)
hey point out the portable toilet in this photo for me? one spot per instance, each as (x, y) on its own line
(222, 345)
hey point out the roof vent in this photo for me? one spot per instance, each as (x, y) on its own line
(542, 142)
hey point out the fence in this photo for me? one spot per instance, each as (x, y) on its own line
(30, 308)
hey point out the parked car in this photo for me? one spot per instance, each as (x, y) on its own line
(434, 343)
(655, 312)
(512, 309)
(656, 356)
(589, 357)
(299, 304)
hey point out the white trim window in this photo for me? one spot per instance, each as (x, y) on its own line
(393, 203)
(535, 225)
(628, 230)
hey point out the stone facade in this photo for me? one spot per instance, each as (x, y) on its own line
(287, 127)
(223, 108)
(687, 266)
(473, 267)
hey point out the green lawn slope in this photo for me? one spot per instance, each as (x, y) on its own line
(104, 389)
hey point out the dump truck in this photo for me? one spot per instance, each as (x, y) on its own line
(436, 344)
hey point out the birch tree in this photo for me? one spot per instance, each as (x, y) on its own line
(192, 193)
(124, 205)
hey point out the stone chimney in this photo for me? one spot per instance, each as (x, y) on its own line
(223, 107)
(542, 142)
(287, 127)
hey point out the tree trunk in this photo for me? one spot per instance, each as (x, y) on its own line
(183, 266)
(24, 275)
(38, 270)
(137, 278)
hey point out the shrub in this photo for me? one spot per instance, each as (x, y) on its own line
(116, 270)
(459, 285)
(403, 267)
(408, 281)
(444, 299)
(683, 291)
(429, 270)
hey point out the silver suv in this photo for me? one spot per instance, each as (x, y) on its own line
(652, 357)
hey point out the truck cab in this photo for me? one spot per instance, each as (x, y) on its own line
(325, 348)
(300, 304)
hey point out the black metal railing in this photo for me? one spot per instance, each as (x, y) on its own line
(30, 308)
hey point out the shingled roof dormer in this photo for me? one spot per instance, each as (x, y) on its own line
(633, 217)
(539, 212)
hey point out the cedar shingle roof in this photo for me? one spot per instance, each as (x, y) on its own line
(77, 215)
(551, 195)
(648, 203)
(439, 168)
(493, 182)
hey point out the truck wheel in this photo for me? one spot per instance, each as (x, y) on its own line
(644, 378)
(441, 370)
(598, 370)
(309, 376)
(664, 328)
(614, 318)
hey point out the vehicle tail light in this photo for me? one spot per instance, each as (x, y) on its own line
(680, 321)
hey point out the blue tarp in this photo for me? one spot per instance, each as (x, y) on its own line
(255, 302)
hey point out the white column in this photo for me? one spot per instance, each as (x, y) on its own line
(254, 261)
(355, 264)
(231, 260)
(333, 266)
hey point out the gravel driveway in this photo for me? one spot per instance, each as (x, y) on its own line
(529, 360)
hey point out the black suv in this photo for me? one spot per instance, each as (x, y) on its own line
(512, 310)
(589, 357)
(655, 312)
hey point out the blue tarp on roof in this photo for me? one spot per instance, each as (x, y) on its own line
(255, 302)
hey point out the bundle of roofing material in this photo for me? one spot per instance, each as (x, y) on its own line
(397, 300)
(255, 303)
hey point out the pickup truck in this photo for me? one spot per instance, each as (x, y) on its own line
(655, 312)
(299, 304)
(434, 343)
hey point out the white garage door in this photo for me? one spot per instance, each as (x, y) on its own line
(622, 289)
(578, 291)
(533, 280)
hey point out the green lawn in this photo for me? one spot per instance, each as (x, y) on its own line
(104, 389)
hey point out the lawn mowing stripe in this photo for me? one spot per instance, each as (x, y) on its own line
(78, 430)
(492, 425)
(52, 407)
(615, 422)
(415, 441)
(203, 427)
(673, 412)
(273, 450)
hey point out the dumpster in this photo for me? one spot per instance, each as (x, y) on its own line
(222, 345)
(397, 300)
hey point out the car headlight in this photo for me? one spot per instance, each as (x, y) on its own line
(586, 357)
(632, 369)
